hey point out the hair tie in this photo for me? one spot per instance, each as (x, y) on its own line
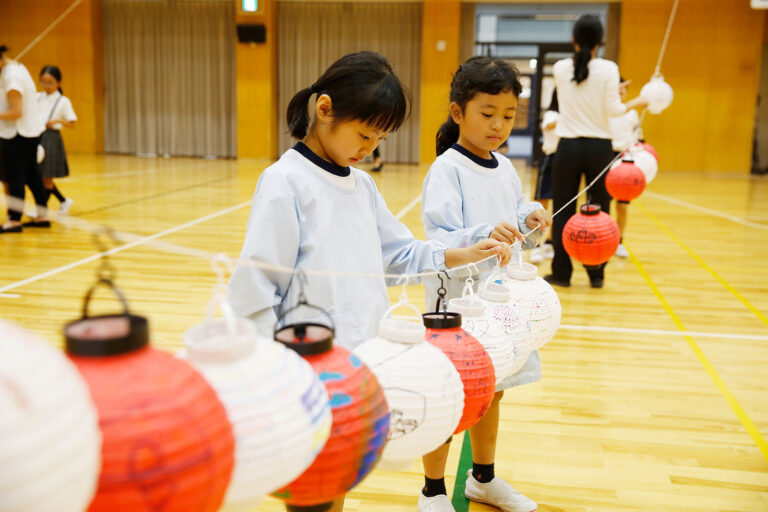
(313, 88)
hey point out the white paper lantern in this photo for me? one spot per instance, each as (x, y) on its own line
(495, 322)
(50, 443)
(658, 93)
(277, 405)
(422, 386)
(537, 300)
(643, 159)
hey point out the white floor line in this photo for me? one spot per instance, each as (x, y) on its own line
(115, 250)
(714, 213)
(416, 200)
(630, 330)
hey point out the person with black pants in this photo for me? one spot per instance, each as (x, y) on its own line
(20, 127)
(588, 96)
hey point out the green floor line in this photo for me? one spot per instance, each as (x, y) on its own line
(460, 503)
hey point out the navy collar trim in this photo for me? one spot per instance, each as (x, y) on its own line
(491, 163)
(323, 164)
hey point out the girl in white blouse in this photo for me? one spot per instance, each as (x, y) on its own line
(57, 113)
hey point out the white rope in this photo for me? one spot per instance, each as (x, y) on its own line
(48, 29)
(666, 38)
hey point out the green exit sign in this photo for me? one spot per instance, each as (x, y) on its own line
(250, 5)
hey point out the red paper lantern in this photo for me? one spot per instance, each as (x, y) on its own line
(471, 360)
(167, 443)
(360, 419)
(625, 181)
(591, 236)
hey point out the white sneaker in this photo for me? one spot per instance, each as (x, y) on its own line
(499, 494)
(65, 206)
(439, 503)
(621, 251)
(536, 256)
(548, 250)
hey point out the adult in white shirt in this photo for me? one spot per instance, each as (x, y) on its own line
(20, 129)
(588, 96)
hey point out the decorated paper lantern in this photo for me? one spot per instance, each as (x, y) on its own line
(167, 443)
(625, 181)
(591, 236)
(647, 164)
(658, 93)
(470, 359)
(360, 419)
(276, 403)
(536, 300)
(647, 147)
(423, 389)
(49, 432)
(489, 317)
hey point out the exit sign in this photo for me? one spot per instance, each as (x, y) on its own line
(250, 5)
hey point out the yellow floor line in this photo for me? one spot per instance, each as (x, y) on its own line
(759, 314)
(745, 420)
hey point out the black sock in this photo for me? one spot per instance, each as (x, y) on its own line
(621, 239)
(55, 191)
(433, 487)
(483, 473)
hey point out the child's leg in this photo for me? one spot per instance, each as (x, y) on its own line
(483, 436)
(434, 470)
(621, 215)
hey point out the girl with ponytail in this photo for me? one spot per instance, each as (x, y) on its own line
(313, 210)
(470, 194)
(588, 96)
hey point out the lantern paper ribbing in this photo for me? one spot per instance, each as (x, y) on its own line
(489, 317)
(536, 300)
(277, 405)
(359, 430)
(49, 434)
(423, 388)
(470, 359)
(167, 443)
(625, 181)
(658, 93)
(591, 236)
(647, 161)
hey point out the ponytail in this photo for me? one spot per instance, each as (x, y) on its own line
(587, 34)
(581, 60)
(447, 136)
(298, 113)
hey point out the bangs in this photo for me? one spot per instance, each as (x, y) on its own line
(384, 107)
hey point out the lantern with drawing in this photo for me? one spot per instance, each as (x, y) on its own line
(625, 181)
(359, 409)
(591, 236)
(424, 412)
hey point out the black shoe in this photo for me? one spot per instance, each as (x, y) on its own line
(14, 229)
(378, 168)
(37, 224)
(596, 283)
(557, 282)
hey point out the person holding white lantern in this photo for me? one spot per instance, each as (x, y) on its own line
(470, 194)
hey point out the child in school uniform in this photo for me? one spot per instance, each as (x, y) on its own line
(472, 193)
(58, 113)
(313, 210)
(624, 133)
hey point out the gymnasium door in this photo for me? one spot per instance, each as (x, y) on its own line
(170, 78)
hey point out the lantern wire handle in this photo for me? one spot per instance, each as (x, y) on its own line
(403, 299)
(441, 293)
(222, 267)
(470, 283)
(517, 249)
(106, 271)
(301, 278)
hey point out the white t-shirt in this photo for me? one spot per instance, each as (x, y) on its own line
(64, 110)
(624, 129)
(585, 108)
(15, 77)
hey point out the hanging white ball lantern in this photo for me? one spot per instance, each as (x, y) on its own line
(491, 318)
(642, 158)
(537, 301)
(50, 442)
(422, 387)
(277, 406)
(658, 93)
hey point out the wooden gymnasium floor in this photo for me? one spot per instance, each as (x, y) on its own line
(630, 415)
